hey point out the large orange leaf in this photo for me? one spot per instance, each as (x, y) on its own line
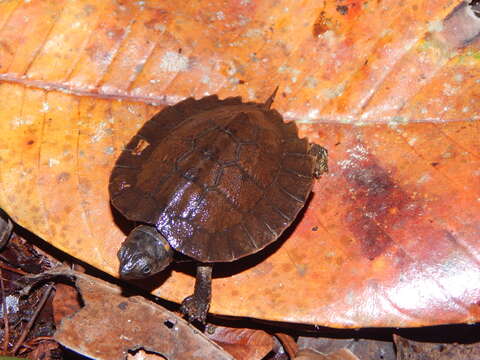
(391, 234)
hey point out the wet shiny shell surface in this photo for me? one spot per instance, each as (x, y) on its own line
(220, 179)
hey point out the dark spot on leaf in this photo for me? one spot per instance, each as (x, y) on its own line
(30, 142)
(315, 228)
(115, 33)
(4, 45)
(342, 9)
(169, 324)
(435, 163)
(123, 305)
(378, 205)
(62, 177)
(321, 25)
(89, 9)
(160, 19)
(139, 68)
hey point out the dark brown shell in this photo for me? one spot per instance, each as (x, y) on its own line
(220, 179)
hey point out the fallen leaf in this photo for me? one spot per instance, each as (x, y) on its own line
(390, 88)
(110, 325)
(342, 354)
(144, 355)
(360, 348)
(65, 303)
(414, 350)
(30, 318)
(242, 344)
(45, 350)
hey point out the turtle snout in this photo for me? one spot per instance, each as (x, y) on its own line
(127, 270)
(136, 266)
(129, 263)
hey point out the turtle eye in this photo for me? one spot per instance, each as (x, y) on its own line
(146, 270)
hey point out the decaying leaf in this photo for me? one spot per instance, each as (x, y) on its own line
(26, 322)
(342, 354)
(110, 325)
(242, 344)
(414, 350)
(66, 302)
(360, 348)
(45, 350)
(390, 88)
(144, 355)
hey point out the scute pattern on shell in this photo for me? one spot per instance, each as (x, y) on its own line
(220, 179)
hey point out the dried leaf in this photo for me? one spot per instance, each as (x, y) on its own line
(382, 242)
(46, 350)
(110, 324)
(30, 318)
(65, 303)
(360, 348)
(242, 344)
(414, 350)
(144, 355)
(342, 354)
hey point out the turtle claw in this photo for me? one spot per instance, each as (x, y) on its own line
(195, 308)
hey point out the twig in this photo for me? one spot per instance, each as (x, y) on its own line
(25, 332)
(9, 268)
(40, 338)
(28, 346)
(290, 346)
(6, 335)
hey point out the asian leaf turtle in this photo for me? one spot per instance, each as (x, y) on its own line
(215, 180)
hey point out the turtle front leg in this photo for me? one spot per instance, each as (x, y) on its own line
(6, 227)
(320, 155)
(195, 307)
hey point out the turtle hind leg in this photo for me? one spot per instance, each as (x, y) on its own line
(320, 155)
(195, 307)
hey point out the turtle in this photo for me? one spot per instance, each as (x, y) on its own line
(214, 180)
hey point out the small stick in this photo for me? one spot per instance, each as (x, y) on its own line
(288, 344)
(39, 339)
(9, 268)
(6, 336)
(32, 343)
(25, 332)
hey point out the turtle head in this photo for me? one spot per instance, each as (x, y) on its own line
(144, 252)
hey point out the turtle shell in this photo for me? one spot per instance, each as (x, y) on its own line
(220, 179)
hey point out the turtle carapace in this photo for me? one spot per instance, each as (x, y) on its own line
(215, 180)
